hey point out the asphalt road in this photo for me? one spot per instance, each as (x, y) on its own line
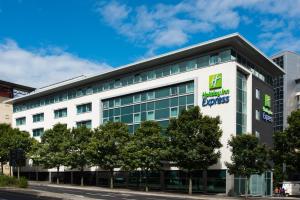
(10, 195)
(99, 195)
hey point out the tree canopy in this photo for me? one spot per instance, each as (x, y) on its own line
(146, 149)
(194, 141)
(106, 146)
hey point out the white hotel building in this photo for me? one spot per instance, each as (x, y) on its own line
(157, 89)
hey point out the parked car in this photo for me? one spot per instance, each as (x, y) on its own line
(292, 188)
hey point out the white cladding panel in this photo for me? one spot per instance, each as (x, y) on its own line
(227, 111)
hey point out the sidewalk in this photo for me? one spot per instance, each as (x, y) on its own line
(158, 194)
(127, 191)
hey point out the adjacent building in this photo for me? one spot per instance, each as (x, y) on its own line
(286, 88)
(8, 91)
(227, 77)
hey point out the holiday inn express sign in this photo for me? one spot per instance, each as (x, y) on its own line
(216, 94)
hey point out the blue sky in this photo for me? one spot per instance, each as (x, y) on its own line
(46, 41)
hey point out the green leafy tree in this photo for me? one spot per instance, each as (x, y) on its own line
(146, 149)
(35, 155)
(12, 139)
(55, 143)
(248, 157)
(77, 156)
(5, 132)
(106, 146)
(286, 150)
(194, 140)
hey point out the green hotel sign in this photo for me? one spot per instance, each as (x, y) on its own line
(215, 81)
(267, 113)
(215, 95)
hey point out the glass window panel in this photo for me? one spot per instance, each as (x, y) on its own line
(162, 114)
(174, 112)
(174, 91)
(137, 98)
(182, 67)
(150, 115)
(166, 71)
(181, 108)
(105, 104)
(213, 59)
(127, 110)
(117, 119)
(203, 61)
(190, 99)
(190, 87)
(105, 113)
(174, 69)
(163, 92)
(225, 55)
(174, 101)
(144, 96)
(126, 100)
(137, 108)
(164, 124)
(162, 104)
(137, 117)
(117, 102)
(117, 111)
(150, 95)
(127, 119)
(143, 107)
(150, 106)
(111, 112)
(182, 89)
(143, 116)
(136, 126)
(182, 100)
(151, 75)
(190, 65)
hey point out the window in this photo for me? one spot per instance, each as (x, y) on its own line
(37, 132)
(21, 121)
(150, 95)
(137, 118)
(84, 108)
(136, 98)
(257, 115)
(174, 91)
(60, 113)
(105, 104)
(38, 117)
(87, 123)
(150, 115)
(190, 87)
(151, 75)
(117, 83)
(174, 112)
(257, 93)
(213, 59)
(174, 69)
(117, 119)
(117, 102)
(137, 78)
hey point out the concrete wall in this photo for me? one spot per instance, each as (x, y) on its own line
(5, 111)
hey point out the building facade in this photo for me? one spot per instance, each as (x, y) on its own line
(286, 88)
(226, 77)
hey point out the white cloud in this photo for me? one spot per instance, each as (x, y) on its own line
(43, 66)
(168, 25)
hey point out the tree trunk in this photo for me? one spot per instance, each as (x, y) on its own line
(57, 176)
(111, 184)
(190, 183)
(146, 182)
(2, 168)
(18, 168)
(81, 176)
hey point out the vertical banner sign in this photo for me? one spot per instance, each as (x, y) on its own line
(216, 94)
(267, 112)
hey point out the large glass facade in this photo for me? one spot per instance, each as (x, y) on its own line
(159, 104)
(241, 103)
(278, 97)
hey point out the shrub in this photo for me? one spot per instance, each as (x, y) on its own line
(8, 181)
